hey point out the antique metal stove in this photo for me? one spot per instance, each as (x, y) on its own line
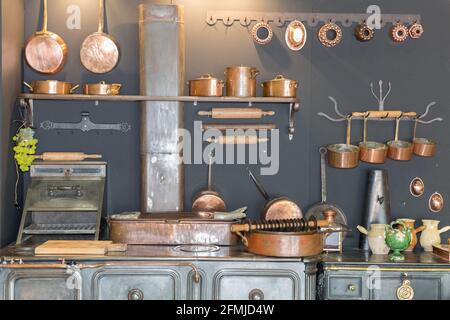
(64, 201)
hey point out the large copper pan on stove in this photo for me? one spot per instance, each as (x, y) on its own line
(99, 52)
(46, 52)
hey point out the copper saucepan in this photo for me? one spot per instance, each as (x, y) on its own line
(241, 81)
(209, 200)
(370, 151)
(281, 208)
(344, 156)
(45, 51)
(280, 87)
(399, 150)
(423, 147)
(99, 52)
(51, 87)
(206, 86)
(102, 89)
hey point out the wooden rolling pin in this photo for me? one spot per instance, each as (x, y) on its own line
(236, 113)
(384, 114)
(237, 140)
(67, 156)
(223, 127)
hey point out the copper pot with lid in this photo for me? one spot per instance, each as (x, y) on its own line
(51, 87)
(206, 86)
(280, 87)
(370, 151)
(399, 150)
(423, 147)
(102, 89)
(209, 200)
(241, 81)
(344, 156)
(278, 208)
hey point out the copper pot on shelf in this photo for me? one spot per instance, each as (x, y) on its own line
(102, 89)
(370, 151)
(397, 149)
(280, 87)
(51, 87)
(206, 86)
(344, 156)
(423, 147)
(241, 81)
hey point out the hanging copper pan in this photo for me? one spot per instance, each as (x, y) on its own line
(344, 156)
(209, 200)
(370, 151)
(423, 147)
(99, 52)
(46, 52)
(399, 150)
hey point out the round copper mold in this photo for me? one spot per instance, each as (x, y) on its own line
(399, 32)
(436, 202)
(265, 27)
(295, 35)
(417, 187)
(323, 34)
(364, 33)
(416, 30)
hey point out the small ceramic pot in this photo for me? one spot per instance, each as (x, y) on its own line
(376, 237)
(414, 232)
(431, 235)
(398, 239)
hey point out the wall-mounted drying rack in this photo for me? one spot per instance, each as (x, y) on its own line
(26, 102)
(246, 18)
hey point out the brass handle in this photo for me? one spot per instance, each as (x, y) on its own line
(256, 294)
(135, 294)
(28, 86)
(351, 287)
(405, 291)
(74, 88)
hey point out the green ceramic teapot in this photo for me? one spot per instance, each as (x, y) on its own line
(398, 239)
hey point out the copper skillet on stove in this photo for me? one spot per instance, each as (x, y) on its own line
(209, 201)
(281, 208)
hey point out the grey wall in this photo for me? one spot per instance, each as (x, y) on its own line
(12, 29)
(419, 72)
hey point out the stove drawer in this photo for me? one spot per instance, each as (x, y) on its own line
(137, 284)
(345, 287)
(256, 284)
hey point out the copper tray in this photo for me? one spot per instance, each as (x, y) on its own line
(172, 229)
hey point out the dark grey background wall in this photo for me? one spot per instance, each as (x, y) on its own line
(419, 72)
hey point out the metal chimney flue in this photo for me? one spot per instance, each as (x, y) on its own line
(162, 72)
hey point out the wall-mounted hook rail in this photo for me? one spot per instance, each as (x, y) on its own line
(245, 18)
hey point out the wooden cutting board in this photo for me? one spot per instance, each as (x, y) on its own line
(73, 247)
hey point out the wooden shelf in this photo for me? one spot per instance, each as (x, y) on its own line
(82, 97)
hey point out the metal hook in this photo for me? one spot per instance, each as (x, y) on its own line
(401, 115)
(386, 116)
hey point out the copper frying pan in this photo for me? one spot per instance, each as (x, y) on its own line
(99, 52)
(45, 51)
(281, 208)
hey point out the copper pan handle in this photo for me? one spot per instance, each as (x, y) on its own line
(74, 88)
(101, 16)
(258, 185)
(415, 128)
(349, 129)
(28, 86)
(45, 18)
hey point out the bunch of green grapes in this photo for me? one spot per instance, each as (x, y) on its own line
(25, 149)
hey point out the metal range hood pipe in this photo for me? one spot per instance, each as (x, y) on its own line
(162, 73)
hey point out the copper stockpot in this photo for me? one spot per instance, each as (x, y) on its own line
(423, 147)
(51, 87)
(370, 151)
(102, 89)
(45, 51)
(280, 87)
(241, 81)
(399, 150)
(209, 200)
(344, 156)
(206, 86)
(281, 208)
(284, 244)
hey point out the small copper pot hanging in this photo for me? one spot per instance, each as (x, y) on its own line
(370, 151)
(399, 150)
(423, 147)
(344, 156)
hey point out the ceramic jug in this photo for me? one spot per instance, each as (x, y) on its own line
(375, 236)
(431, 235)
(398, 238)
(410, 223)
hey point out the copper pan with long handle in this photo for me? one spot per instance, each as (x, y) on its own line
(100, 52)
(46, 52)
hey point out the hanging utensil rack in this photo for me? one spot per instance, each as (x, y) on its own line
(245, 18)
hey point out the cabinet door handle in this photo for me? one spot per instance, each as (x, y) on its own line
(405, 291)
(135, 294)
(256, 294)
(351, 287)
